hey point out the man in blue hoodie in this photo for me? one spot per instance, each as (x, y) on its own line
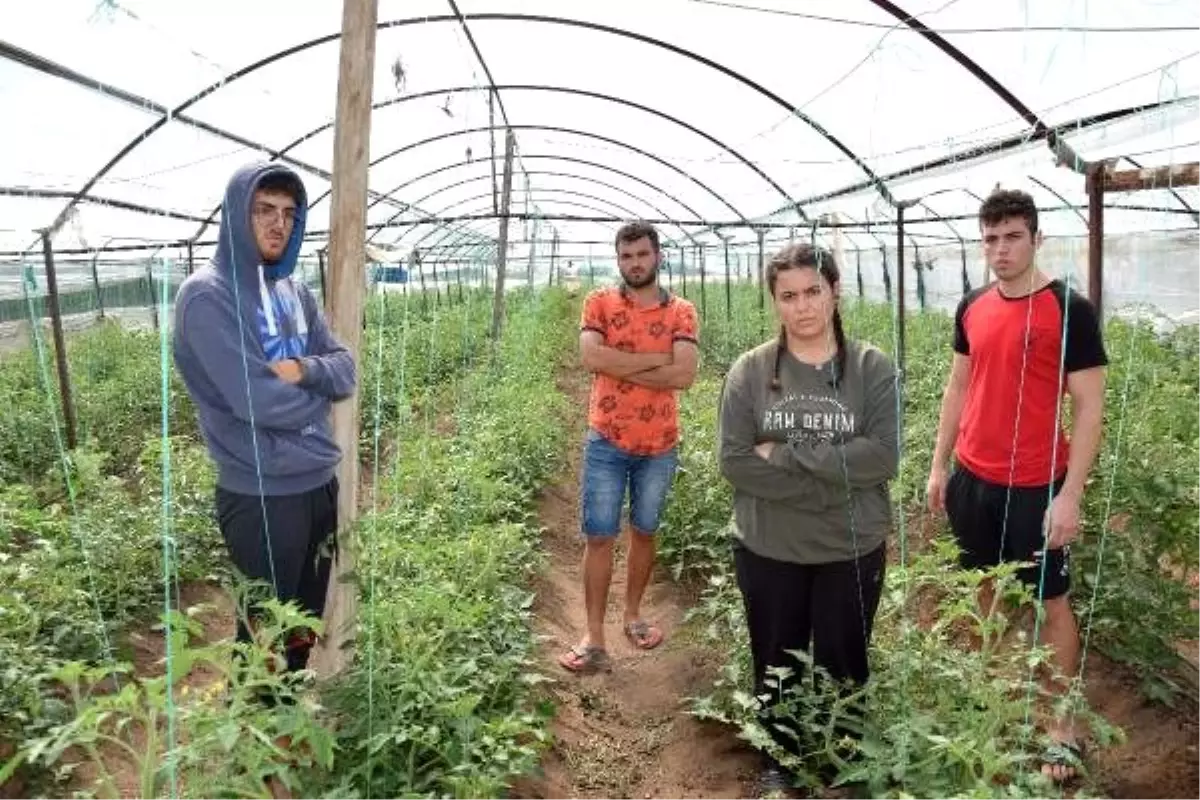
(263, 369)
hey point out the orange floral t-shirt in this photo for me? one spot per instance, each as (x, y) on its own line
(638, 419)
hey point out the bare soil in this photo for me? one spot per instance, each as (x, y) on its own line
(624, 733)
(214, 610)
(627, 734)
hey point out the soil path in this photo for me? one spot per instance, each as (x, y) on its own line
(625, 733)
(1159, 757)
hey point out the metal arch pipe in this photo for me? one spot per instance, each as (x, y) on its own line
(607, 219)
(555, 129)
(176, 113)
(452, 250)
(597, 209)
(457, 250)
(533, 87)
(1065, 154)
(555, 174)
(36, 62)
(565, 192)
(993, 148)
(677, 50)
(568, 159)
(417, 245)
(1065, 201)
(112, 202)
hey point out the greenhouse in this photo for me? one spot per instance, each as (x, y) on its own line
(461, 177)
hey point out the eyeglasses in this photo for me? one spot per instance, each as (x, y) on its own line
(267, 213)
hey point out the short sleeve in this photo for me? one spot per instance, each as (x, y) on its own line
(1085, 343)
(961, 345)
(687, 326)
(593, 317)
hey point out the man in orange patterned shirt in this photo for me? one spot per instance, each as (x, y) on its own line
(639, 341)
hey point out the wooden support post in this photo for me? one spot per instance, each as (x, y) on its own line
(344, 301)
(839, 238)
(437, 289)
(96, 285)
(887, 278)
(762, 269)
(900, 290)
(60, 344)
(1095, 183)
(321, 274)
(502, 245)
(191, 265)
(858, 270)
(416, 256)
(151, 305)
(728, 282)
(683, 269)
(553, 260)
(966, 279)
(532, 251)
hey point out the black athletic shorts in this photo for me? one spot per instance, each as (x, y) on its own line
(987, 535)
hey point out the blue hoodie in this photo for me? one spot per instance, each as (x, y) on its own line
(234, 317)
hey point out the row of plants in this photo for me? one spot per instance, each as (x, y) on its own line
(440, 701)
(82, 531)
(941, 719)
(109, 367)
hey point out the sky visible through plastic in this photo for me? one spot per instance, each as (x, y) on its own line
(691, 142)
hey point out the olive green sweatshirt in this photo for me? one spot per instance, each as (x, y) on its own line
(823, 494)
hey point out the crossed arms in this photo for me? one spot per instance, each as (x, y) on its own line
(674, 370)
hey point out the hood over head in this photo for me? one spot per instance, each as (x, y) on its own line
(237, 252)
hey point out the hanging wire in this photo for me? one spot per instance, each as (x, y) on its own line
(237, 302)
(170, 573)
(29, 283)
(373, 529)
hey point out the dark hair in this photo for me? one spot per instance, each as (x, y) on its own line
(1004, 204)
(632, 231)
(284, 182)
(807, 256)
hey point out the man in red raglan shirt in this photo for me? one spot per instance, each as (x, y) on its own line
(1015, 492)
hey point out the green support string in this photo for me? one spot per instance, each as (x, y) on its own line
(374, 533)
(168, 545)
(27, 284)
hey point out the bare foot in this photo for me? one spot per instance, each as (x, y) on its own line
(1063, 759)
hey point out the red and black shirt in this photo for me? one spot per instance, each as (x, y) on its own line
(1010, 432)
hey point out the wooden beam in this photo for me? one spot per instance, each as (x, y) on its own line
(502, 255)
(760, 235)
(345, 290)
(1136, 180)
(1096, 179)
(60, 342)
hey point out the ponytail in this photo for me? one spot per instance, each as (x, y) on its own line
(780, 346)
(839, 336)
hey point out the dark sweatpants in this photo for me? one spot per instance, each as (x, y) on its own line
(300, 526)
(811, 607)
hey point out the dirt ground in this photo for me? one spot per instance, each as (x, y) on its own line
(626, 734)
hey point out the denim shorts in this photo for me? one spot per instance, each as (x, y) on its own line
(607, 471)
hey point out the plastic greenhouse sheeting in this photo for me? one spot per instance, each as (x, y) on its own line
(700, 112)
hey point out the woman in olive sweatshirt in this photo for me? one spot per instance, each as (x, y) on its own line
(808, 439)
